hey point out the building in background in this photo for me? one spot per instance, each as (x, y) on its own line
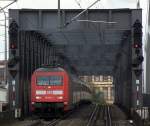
(2, 70)
(3, 88)
(3, 99)
(103, 85)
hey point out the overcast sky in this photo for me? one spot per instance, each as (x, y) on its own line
(68, 4)
(73, 3)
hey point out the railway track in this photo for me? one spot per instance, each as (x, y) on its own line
(101, 114)
(93, 116)
(107, 116)
(46, 123)
(52, 122)
(104, 115)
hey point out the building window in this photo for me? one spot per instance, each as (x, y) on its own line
(96, 78)
(110, 78)
(105, 78)
(105, 91)
(101, 78)
(89, 78)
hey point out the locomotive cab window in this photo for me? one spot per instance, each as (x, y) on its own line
(50, 80)
(55, 80)
(42, 80)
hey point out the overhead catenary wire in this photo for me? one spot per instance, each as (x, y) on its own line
(75, 17)
(94, 21)
(13, 1)
(78, 3)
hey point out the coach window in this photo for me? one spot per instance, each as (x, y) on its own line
(42, 80)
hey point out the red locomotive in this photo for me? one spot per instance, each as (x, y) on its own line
(56, 89)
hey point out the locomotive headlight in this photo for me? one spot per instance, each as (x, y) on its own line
(60, 97)
(38, 97)
(32, 103)
(57, 92)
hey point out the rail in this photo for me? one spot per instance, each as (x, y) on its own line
(107, 116)
(52, 122)
(93, 116)
(56, 121)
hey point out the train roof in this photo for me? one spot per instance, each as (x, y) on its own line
(50, 69)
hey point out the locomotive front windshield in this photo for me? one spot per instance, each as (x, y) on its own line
(49, 80)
